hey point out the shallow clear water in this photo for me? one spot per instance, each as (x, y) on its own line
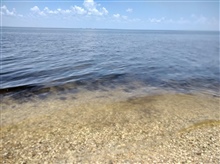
(65, 59)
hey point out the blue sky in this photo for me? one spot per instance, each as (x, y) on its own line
(117, 14)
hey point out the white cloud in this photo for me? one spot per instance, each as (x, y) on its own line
(36, 10)
(6, 12)
(78, 10)
(116, 15)
(129, 10)
(90, 8)
(121, 17)
(165, 20)
(104, 11)
(157, 20)
(89, 4)
(73, 10)
(125, 19)
(48, 11)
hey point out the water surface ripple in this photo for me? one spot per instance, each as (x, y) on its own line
(43, 57)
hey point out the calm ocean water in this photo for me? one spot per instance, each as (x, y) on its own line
(38, 59)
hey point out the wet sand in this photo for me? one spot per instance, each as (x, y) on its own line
(112, 127)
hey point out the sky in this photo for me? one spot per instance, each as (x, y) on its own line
(112, 14)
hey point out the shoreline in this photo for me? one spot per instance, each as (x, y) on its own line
(113, 127)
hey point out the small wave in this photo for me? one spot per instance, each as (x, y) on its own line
(88, 82)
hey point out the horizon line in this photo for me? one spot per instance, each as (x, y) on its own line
(97, 28)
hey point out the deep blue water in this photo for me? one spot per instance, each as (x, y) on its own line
(40, 58)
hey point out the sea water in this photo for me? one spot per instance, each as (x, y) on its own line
(36, 60)
(106, 96)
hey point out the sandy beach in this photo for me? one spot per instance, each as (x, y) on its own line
(103, 127)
